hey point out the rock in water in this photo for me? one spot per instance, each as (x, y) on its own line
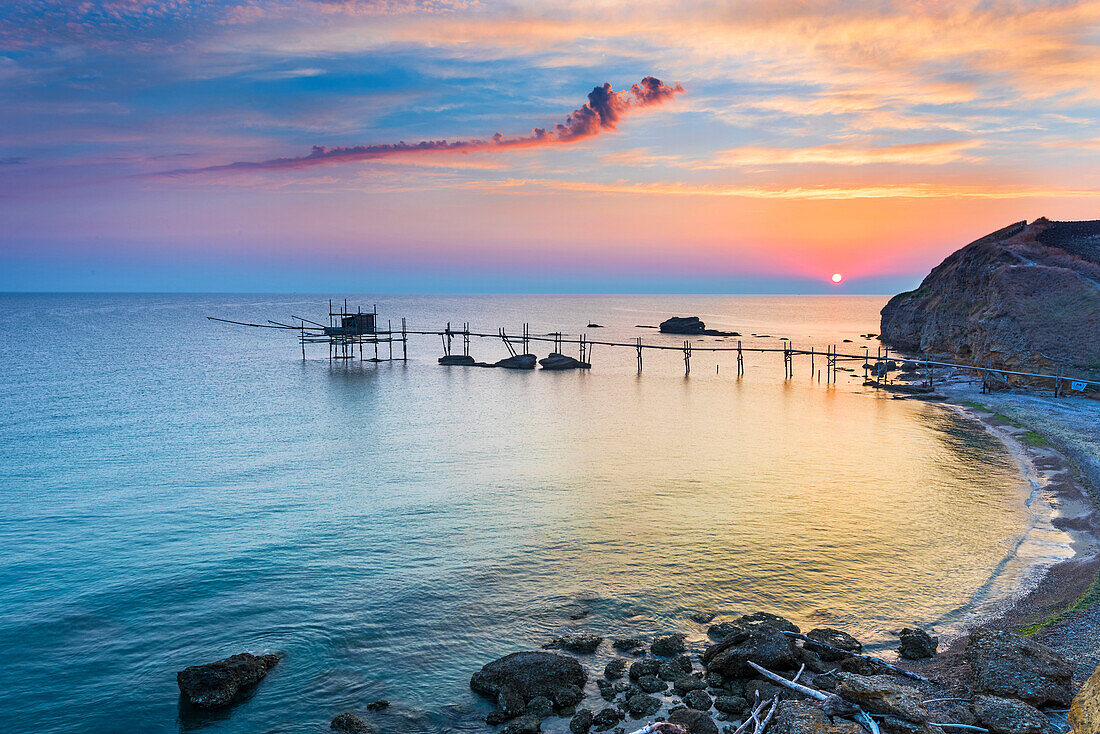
(766, 618)
(518, 362)
(530, 674)
(614, 669)
(581, 722)
(698, 700)
(683, 325)
(348, 723)
(835, 638)
(696, 722)
(1008, 716)
(606, 719)
(1084, 714)
(917, 644)
(1023, 291)
(219, 684)
(582, 643)
(462, 360)
(557, 361)
(668, 645)
(764, 645)
(1009, 665)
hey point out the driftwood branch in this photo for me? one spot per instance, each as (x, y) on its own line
(833, 704)
(861, 656)
(868, 723)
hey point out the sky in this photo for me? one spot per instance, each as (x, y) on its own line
(573, 146)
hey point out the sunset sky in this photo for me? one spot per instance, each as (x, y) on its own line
(804, 139)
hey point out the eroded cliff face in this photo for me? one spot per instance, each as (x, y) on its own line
(1025, 296)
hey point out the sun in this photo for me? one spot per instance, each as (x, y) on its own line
(837, 277)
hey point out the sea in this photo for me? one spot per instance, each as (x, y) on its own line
(175, 490)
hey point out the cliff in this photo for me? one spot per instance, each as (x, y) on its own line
(1025, 296)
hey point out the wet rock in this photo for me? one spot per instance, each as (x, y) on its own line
(684, 661)
(642, 705)
(715, 679)
(462, 360)
(615, 669)
(580, 643)
(882, 694)
(581, 722)
(607, 689)
(698, 700)
(683, 325)
(668, 645)
(723, 630)
(702, 617)
(687, 684)
(629, 645)
(555, 361)
(519, 362)
(523, 725)
(916, 644)
(766, 618)
(1010, 665)
(730, 704)
(651, 684)
(835, 638)
(511, 703)
(1084, 714)
(348, 723)
(801, 717)
(594, 326)
(1008, 716)
(530, 674)
(764, 645)
(670, 670)
(213, 685)
(696, 722)
(606, 718)
(540, 706)
(645, 666)
(378, 705)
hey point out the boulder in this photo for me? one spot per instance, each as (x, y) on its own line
(702, 617)
(643, 667)
(757, 619)
(581, 643)
(629, 645)
(607, 689)
(695, 722)
(1084, 714)
(1009, 716)
(651, 684)
(348, 723)
(378, 705)
(763, 645)
(523, 725)
(834, 638)
(581, 722)
(730, 704)
(723, 630)
(461, 360)
(1012, 666)
(882, 694)
(606, 718)
(518, 362)
(531, 674)
(556, 361)
(683, 325)
(614, 669)
(642, 705)
(801, 717)
(217, 684)
(670, 670)
(668, 645)
(698, 700)
(687, 684)
(511, 703)
(540, 707)
(917, 644)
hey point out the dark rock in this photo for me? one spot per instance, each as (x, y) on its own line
(764, 645)
(496, 718)
(1009, 665)
(645, 666)
(642, 705)
(715, 680)
(615, 669)
(217, 684)
(511, 703)
(730, 704)
(765, 618)
(606, 719)
(519, 362)
(835, 638)
(702, 617)
(696, 722)
(698, 700)
(530, 674)
(651, 684)
(523, 725)
(812, 662)
(683, 325)
(594, 326)
(801, 717)
(917, 644)
(581, 722)
(863, 666)
(555, 361)
(768, 690)
(348, 723)
(622, 686)
(629, 645)
(607, 689)
(378, 705)
(1008, 716)
(670, 670)
(684, 661)
(723, 630)
(688, 683)
(883, 694)
(540, 706)
(668, 645)
(461, 360)
(1084, 714)
(580, 643)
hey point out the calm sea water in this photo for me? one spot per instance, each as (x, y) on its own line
(175, 490)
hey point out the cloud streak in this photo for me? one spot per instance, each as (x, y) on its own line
(602, 112)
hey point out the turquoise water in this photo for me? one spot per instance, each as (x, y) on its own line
(176, 490)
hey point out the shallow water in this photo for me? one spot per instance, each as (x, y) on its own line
(176, 490)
